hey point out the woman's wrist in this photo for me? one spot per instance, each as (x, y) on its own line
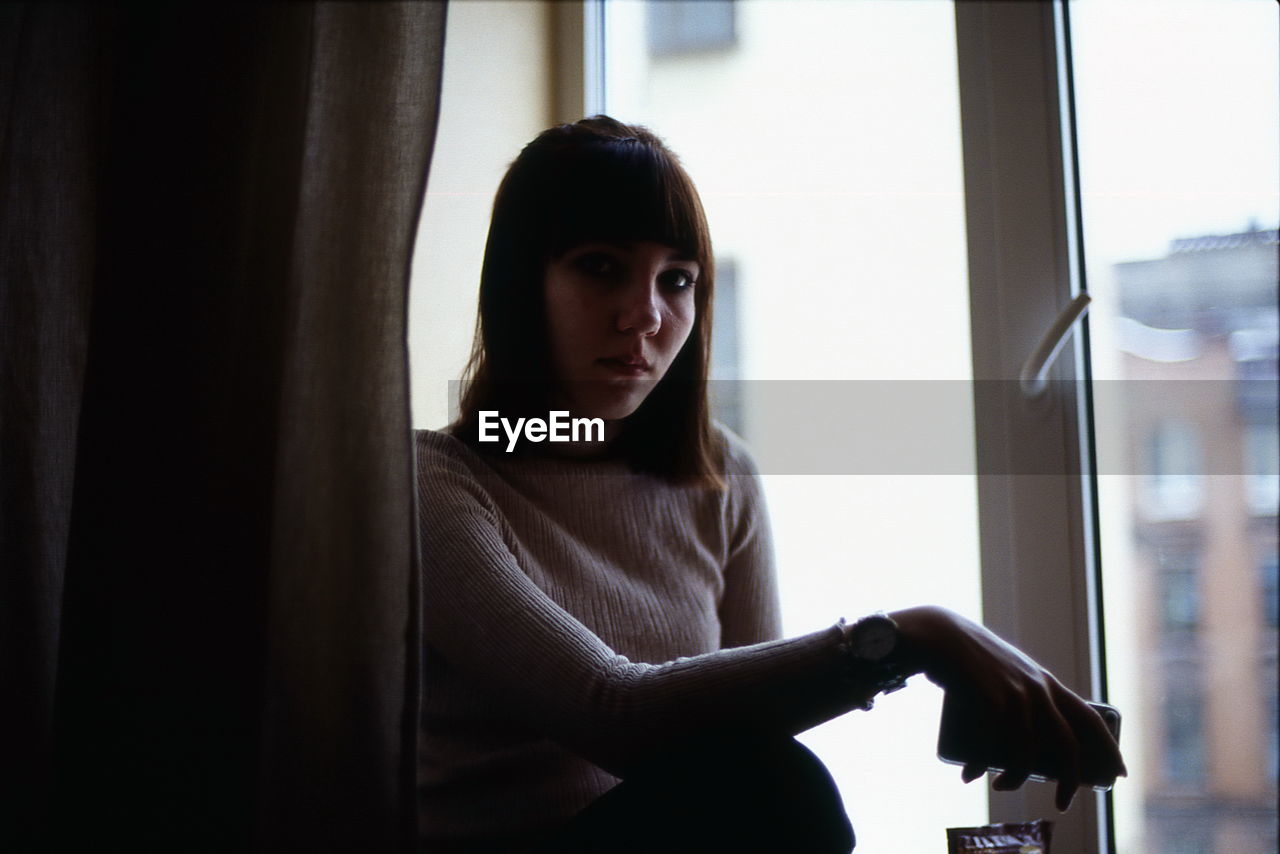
(935, 641)
(871, 649)
(924, 631)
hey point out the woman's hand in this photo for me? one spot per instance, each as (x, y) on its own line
(1039, 719)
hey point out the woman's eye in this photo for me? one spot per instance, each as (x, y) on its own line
(677, 279)
(598, 264)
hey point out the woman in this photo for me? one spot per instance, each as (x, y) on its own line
(605, 609)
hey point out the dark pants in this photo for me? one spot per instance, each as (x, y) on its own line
(763, 796)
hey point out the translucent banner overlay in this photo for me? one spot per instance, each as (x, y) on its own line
(1161, 428)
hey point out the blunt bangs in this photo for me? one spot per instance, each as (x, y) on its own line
(621, 190)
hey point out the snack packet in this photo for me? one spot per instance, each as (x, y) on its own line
(1026, 838)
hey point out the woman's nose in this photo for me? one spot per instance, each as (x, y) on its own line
(639, 311)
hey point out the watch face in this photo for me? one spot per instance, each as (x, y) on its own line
(874, 638)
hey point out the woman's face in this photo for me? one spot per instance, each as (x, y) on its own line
(617, 316)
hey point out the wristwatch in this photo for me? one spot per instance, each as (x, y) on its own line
(870, 646)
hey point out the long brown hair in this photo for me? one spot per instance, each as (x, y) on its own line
(595, 180)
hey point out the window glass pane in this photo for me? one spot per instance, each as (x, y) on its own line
(1177, 119)
(825, 143)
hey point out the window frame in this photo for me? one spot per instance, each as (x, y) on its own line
(1038, 547)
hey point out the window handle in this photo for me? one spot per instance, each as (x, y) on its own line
(1035, 370)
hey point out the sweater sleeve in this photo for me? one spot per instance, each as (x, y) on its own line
(750, 610)
(488, 619)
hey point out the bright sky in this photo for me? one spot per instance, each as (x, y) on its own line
(1178, 111)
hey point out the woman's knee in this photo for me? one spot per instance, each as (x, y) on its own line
(743, 794)
(769, 794)
(797, 798)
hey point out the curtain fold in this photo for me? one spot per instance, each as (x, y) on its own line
(48, 143)
(209, 587)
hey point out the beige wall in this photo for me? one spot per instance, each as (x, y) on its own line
(497, 94)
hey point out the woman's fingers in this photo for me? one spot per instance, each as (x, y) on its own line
(1021, 741)
(1065, 794)
(1068, 749)
(1007, 781)
(1038, 725)
(1038, 737)
(1101, 758)
(1110, 745)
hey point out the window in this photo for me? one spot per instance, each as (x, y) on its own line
(1262, 466)
(1183, 754)
(1273, 732)
(689, 26)
(1178, 835)
(1173, 243)
(1179, 253)
(1270, 590)
(1179, 593)
(1174, 489)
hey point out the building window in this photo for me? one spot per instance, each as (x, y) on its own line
(690, 26)
(1173, 487)
(1270, 590)
(1273, 733)
(1179, 592)
(1262, 468)
(1184, 737)
(1176, 835)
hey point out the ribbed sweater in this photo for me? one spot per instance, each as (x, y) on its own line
(577, 617)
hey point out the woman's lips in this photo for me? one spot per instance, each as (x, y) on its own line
(625, 366)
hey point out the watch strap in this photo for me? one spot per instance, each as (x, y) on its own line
(883, 676)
